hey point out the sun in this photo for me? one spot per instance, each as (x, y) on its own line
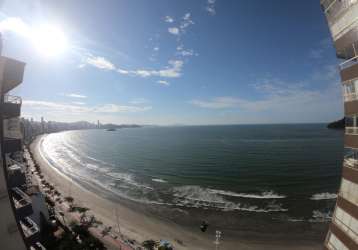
(49, 40)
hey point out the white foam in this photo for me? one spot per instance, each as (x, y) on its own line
(128, 179)
(323, 196)
(319, 216)
(198, 197)
(264, 195)
(159, 180)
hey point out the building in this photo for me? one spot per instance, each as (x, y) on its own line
(342, 18)
(17, 229)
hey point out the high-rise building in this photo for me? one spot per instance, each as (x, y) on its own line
(342, 18)
(17, 229)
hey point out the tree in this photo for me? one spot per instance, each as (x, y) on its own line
(149, 244)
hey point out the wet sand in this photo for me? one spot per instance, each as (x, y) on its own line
(138, 222)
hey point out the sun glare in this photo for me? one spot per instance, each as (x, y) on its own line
(49, 40)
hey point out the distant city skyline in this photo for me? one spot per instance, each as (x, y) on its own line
(178, 62)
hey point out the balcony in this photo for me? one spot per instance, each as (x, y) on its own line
(350, 162)
(11, 106)
(349, 69)
(31, 231)
(16, 174)
(333, 9)
(12, 145)
(345, 22)
(12, 135)
(37, 246)
(13, 72)
(351, 139)
(351, 130)
(22, 202)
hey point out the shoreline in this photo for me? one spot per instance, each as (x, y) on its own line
(136, 223)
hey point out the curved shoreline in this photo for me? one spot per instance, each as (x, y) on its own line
(140, 225)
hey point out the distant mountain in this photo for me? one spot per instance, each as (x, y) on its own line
(339, 124)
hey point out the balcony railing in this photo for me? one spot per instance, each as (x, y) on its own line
(20, 198)
(351, 130)
(348, 63)
(345, 22)
(351, 162)
(350, 97)
(37, 246)
(12, 99)
(29, 227)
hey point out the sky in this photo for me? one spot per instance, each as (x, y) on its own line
(169, 62)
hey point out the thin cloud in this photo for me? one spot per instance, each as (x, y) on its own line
(173, 31)
(163, 82)
(99, 62)
(80, 108)
(137, 101)
(169, 19)
(75, 95)
(217, 103)
(210, 7)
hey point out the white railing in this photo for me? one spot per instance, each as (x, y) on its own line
(350, 162)
(350, 62)
(351, 130)
(350, 97)
(331, 3)
(12, 99)
(345, 22)
(28, 227)
(12, 128)
(344, 227)
(22, 199)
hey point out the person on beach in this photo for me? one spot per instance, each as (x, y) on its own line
(204, 226)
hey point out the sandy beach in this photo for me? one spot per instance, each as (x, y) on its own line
(140, 225)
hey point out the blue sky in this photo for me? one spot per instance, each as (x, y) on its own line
(175, 62)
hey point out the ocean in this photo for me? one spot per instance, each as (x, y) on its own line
(227, 175)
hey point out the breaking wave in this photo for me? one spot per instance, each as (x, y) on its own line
(319, 216)
(264, 195)
(323, 196)
(198, 197)
(159, 180)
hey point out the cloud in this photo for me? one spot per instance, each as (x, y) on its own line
(210, 7)
(137, 101)
(275, 96)
(75, 95)
(320, 51)
(173, 31)
(185, 52)
(168, 19)
(16, 25)
(186, 22)
(156, 48)
(78, 103)
(163, 82)
(173, 70)
(81, 109)
(99, 62)
(217, 103)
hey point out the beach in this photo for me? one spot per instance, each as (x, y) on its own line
(140, 224)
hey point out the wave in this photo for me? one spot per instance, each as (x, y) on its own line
(264, 195)
(127, 179)
(319, 216)
(159, 180)
(198, 197)
(323, 196)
